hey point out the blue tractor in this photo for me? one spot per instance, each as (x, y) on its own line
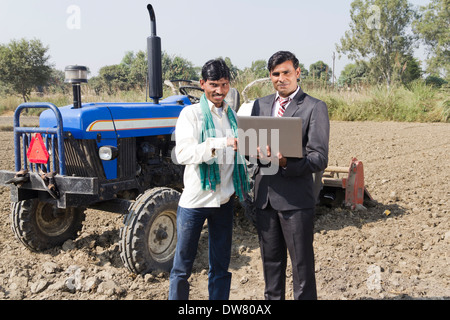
(114, 157)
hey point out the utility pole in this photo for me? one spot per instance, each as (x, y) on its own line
(334, 56)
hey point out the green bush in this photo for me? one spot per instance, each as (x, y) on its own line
(416, 102)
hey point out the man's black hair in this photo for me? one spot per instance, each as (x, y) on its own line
(281, 57)
(215, 69)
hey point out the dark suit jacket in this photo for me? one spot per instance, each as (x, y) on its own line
(292, 188)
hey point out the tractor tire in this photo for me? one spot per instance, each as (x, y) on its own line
(149, 235)
(41, 226)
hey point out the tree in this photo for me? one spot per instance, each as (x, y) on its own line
(379, 33)
(115, 77)
(234, 71)
(96, 84)
(433, 28)
(320, 70)
(304, 72)
(24, 65)
(139, 70)
(182, 69)
(411, 69)
(354, 73)
(178, 68)
(134, 66)
(128, 59)
(259, 68)
(56, 83)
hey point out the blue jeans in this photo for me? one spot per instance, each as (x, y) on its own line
(189, 226)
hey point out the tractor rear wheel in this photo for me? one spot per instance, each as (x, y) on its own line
(40, 226)
(149, 235)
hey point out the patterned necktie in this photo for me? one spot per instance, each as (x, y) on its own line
(283, 102)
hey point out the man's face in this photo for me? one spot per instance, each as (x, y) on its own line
(216, 91)
(284, 78)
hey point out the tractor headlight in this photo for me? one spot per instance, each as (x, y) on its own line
(108, 152)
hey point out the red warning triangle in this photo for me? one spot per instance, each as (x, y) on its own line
(37, 153)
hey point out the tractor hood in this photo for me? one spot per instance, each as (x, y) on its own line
(118, 120)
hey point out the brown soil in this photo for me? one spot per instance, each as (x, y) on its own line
(397, 249)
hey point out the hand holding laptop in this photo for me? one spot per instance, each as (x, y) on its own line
(282, 161)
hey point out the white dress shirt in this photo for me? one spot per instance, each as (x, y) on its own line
(276, 105)
(190, 152)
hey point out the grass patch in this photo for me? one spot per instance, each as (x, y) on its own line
(416, 102)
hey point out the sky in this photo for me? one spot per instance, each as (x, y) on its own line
(96, 33)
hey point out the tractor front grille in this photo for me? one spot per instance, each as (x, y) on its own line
(82, 158)
(126, 161)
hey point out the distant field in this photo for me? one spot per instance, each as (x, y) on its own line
(415, 103)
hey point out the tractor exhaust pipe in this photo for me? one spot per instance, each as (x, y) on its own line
(154, 60)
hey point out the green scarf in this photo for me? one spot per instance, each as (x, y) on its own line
(209, 173)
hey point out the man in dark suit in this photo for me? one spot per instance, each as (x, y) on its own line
(285, 201)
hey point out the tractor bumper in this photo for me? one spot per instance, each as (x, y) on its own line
(72, 191)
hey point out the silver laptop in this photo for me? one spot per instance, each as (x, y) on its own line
(281, 134)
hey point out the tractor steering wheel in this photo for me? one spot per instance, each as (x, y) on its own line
(185, 89)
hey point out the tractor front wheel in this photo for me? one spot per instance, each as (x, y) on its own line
(149, 235)
(40, 225)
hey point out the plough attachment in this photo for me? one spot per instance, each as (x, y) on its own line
(348, 190)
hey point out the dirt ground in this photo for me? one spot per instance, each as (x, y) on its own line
(397, 249)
